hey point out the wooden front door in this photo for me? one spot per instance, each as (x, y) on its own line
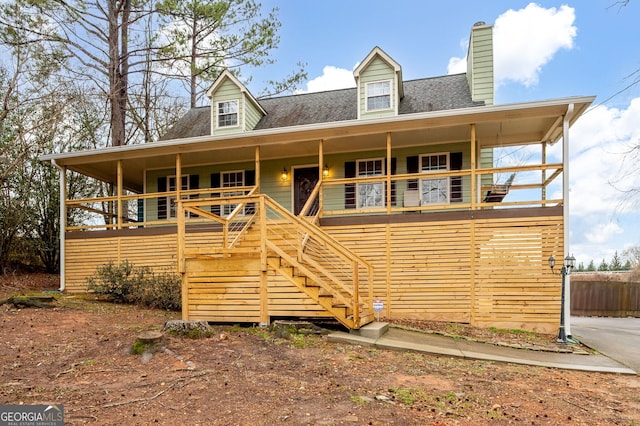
(304, 180)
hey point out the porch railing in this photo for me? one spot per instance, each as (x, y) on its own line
(395, 194)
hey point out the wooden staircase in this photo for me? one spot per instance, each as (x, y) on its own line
(321, 268)
(306, 273)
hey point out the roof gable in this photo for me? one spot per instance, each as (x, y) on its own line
(227, 75)
(376, 53)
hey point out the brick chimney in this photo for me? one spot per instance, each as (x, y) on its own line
(480, 63)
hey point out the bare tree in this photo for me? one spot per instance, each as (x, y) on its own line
(96, 35)
(204, 37)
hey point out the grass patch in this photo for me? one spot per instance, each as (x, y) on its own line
(407, 396)
(512, 331)
(359, 400)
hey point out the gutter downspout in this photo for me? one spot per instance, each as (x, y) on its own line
(63, 224)
(565, 213)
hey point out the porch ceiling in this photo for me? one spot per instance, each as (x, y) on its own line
(515, 124)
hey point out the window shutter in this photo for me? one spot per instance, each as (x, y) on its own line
(215, 183)
(249, 177)
(140, 210)
(162, 201)
(393, 183)
(412, 167)
(350, 188)
(194, 181)
(455, 163)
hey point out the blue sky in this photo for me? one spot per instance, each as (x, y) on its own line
(542, 50)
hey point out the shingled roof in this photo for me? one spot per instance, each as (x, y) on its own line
(423, 95)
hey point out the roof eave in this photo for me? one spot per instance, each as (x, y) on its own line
(331, 130)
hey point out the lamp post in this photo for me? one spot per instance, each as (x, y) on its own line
(569, 264)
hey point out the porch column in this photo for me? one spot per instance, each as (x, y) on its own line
(119, 194)
(472, 230)
(543, 195)
(264, 278)
(257, 167)
(565, 214)
(63, 219)
(184, 281)
(320, 176)
(388, 172)
(178, 177)
(474, 189)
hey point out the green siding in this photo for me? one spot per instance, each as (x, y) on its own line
(377, 70)
(227, 91)
(281, 191)
(334, 195)
(252, 114)
(480, 64)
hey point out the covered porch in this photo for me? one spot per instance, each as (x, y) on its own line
(472, 232)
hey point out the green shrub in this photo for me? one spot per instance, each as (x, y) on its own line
(126, 283)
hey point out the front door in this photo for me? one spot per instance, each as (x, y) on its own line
(304, 181)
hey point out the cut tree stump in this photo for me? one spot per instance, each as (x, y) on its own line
(193, 329)
(149, 341)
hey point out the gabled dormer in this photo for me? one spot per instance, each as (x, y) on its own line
(379, 85)
(233, 108)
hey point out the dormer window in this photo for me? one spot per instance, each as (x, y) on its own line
(228, 113)
(379, 95)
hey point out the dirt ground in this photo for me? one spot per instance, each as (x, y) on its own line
(78, 354)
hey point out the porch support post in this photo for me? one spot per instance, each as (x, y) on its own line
(181, 239)
(474, 190)
(257, 160)
(184, 290)
(119, 194)
(264, 281)
(565, 214)
(321, 176)
(472, 250)
(63, 220)
(178, 176)
(543, 195)
(388, 173)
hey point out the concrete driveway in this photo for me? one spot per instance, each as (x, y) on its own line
(617, 338)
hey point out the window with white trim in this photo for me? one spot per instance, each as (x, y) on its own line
(378, 95)
(228, 113)
(434, 190)
(370, 194)
(232, 179)
(171, 186)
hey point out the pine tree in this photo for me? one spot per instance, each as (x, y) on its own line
(603, 266)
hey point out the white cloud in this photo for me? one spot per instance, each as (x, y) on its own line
(602, 164)
(457, 65)
(332, 78)
(525, 40)
(603, 232)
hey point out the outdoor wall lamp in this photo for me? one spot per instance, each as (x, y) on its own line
(285, 174)
(325, 171)
(568, 265)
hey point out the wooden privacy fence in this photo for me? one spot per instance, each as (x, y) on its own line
(605, 298)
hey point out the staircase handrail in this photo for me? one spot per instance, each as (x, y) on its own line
(310, 201)
(345, 252)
